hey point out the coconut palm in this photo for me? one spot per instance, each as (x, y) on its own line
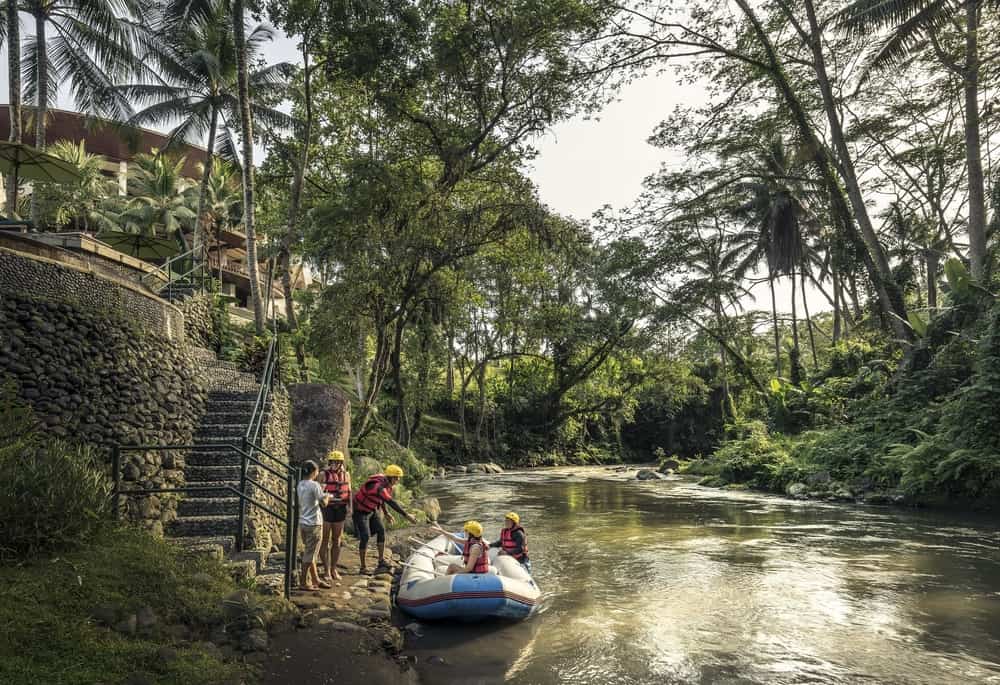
(13, 39)
(195, 90)
(911, 25)
(85, 42)
(85, 202)
(160, 198)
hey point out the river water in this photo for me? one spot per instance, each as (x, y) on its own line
(667, 582)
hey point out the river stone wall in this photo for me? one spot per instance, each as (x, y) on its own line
(199, 321)
(55, 280)
(96, 377)
(321, 421)
(263, 530)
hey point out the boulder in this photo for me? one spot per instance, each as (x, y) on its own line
(254, 640)
(796, 489)
(669, 465)
(430, 506)
(476, 467)
(648, 474)
(321, 421)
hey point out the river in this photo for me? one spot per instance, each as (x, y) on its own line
(668, 582)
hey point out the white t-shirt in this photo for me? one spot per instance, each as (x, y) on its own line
(310, 495)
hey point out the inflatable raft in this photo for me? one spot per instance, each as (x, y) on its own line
(507, 591)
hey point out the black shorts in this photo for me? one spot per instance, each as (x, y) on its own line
(335, 513)
(366, 524)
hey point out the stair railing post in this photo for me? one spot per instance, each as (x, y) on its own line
(241, 522)
(116, 463)
(289, 547)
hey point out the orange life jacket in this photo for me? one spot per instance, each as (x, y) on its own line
(508, 544)
(337, 484)
(368, 498)
(482, 561)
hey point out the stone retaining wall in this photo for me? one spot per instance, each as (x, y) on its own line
(263, 530)
(96, 377)
(199, 321)
(89, 290)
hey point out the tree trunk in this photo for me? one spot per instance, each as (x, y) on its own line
(973, 147)
(450, 374)
(41, 107)
(246, 125)
(795, 319)
(931, 266)
(805, 309)
(480, 409)
(836, 309)
(375, 379)
(396, 363)
(14, 81)
(200, 234)
(777, 330)
(723, 366)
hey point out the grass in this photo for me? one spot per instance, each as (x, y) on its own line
(46, 604)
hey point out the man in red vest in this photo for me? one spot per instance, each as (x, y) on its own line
(373, 497)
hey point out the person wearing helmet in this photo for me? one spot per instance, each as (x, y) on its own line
(372, 499)
(337, 484)
(475, 551)
(513, 540)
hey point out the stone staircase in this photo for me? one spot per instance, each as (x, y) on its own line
(207, 521)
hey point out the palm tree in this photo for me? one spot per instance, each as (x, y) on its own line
(911, 25)
(13, 24)
(195, 91)
(83, 203)
(773, 214)
(90, 46)
(160, 198)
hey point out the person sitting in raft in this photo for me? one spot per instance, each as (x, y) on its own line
(475, 551)
(371, 499)
(337, 484)
(513, 540)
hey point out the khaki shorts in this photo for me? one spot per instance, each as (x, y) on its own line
(311, 537)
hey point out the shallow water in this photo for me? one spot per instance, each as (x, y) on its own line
(667, 582)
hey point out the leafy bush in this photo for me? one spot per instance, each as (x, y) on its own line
(53, 495)
(759, 459)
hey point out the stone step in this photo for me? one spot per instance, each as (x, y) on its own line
(202, 353)
(203, 526)
(221, 491)
(199, 475)
(226, 380)
(233, 401)
(216, 546)
(217, 363)
(213, 458)
(224, 416)
(233, 432)
(209, 506)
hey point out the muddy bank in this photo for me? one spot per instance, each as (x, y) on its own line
(349, 633)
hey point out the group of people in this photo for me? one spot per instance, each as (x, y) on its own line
(326, 499)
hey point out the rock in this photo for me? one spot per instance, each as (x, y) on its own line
(340, 626)
(430, 506)
(647, 474)
(145, 619)
(414, 629)
(105, 614)
(202, 579)
(669, 465)
(796, 489)
(460, 468)
(437, 661)
(254, 641)
(126, 626)
(376, 613)
(385, 577)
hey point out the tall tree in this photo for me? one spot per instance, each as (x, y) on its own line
(90, 45)
(13, 21)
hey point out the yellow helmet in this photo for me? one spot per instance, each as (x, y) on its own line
(474, 528)
(335, 455)
(393, 471)
(513, 517)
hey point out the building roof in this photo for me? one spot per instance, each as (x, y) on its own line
(113, 141)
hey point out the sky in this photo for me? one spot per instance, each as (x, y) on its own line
(582, 164)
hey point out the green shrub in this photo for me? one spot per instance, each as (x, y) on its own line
(759, 460)
(53, 495)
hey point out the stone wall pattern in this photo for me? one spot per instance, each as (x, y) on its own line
(199, 325)
(48, 279)
(264, 530)
(96, 376)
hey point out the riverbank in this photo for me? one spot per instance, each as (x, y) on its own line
(348, 634)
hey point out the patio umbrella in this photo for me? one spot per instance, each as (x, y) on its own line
(24, 161)
(144, 247)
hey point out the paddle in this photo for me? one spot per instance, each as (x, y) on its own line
(427, 570)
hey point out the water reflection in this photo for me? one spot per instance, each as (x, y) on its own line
(665, 582)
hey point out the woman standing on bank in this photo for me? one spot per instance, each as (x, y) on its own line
(336, 483)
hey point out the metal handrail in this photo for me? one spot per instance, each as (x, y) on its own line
(291, 530)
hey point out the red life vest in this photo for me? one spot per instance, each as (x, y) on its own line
(368, 498)
(482, 561)
(508, 544)
(337, 484)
